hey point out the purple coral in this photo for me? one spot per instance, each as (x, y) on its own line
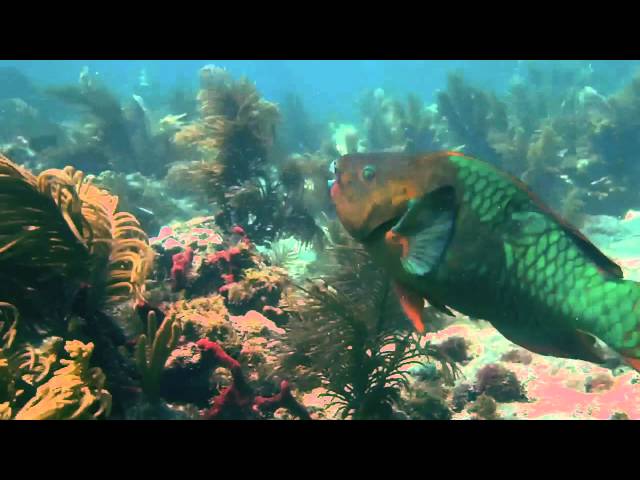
(455, 348)
(500, 383)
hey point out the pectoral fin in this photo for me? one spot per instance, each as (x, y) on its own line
(428, 227)
(413, 306)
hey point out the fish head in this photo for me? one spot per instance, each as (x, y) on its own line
(371, 191)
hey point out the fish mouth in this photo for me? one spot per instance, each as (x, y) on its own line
(381, 230)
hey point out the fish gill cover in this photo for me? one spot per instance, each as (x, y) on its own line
(170, 250)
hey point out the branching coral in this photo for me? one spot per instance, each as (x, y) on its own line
(238, 400)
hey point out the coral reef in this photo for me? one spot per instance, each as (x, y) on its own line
(251, 303)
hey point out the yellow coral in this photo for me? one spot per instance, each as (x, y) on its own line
(112, 236)
(204, 317)
(257, 281)
(75, 391)
(151, 357)
(36, 363)
(91, 242)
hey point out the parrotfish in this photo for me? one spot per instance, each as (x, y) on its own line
(465, 236)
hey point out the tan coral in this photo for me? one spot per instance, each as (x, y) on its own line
(204, 317)
(76, 391)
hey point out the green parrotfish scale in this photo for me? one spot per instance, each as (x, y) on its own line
(550, 280)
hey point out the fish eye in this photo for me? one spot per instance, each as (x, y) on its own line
(369, 173)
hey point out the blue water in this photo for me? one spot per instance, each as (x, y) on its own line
(329, 88)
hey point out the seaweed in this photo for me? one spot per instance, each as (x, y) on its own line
(472, 115)
(118, 137)
(298, 134)
(345, 328)
(391, 125)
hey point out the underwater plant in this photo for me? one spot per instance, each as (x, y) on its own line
(118, 138)
(229, 147)
(345, 328)
(391, 125)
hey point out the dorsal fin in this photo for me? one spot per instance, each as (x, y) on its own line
(600, 259)
(603, 262)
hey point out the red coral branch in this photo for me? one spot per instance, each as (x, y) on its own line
(284, 399)
(180, 268)
(238, 401)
